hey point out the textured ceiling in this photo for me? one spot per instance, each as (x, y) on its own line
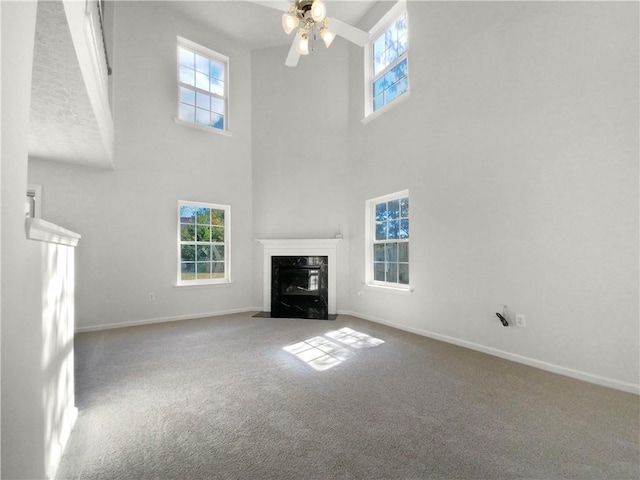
(63, 124)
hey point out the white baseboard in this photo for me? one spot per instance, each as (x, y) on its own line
(148, 321)
(532, 362)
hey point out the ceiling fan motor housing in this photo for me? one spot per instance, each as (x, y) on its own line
(303, 9)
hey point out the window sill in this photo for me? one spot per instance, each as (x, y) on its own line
(225, 133)
(188, 286)
(381, 111)
(386, 288)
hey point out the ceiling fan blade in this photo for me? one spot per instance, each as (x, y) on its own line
(293, 56)
(351, 33)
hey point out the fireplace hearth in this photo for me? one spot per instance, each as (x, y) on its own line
(299, 287)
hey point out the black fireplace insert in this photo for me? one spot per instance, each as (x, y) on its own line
(299, 287)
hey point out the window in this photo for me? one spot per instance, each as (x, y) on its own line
(202, 86)
(386, 60)
(388, 240)
(203, 243)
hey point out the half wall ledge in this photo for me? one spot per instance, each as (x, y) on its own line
(43, 231)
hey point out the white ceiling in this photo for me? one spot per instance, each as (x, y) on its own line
(257, 23)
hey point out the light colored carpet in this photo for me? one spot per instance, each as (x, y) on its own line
(219, 398)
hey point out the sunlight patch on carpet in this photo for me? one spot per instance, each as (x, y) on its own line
(323, 354)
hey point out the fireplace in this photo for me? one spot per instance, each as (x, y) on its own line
(303, 276)
(299, 287)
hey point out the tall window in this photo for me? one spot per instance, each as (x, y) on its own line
(388, 240)
(202, 86)
(386, 60)
(203, 243)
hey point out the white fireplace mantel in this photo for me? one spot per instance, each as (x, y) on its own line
(293, 247)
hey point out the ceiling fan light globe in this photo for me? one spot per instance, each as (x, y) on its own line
(318, 10)
(289, 22)
(302, 46)
(327, 36)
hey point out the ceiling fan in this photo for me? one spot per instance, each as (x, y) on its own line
(310, 19)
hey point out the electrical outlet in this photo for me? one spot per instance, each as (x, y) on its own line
(521, 320)
(152, 297)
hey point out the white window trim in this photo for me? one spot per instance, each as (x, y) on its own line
(378, 28)
(369, 237)
(183, 42)
(227, 247)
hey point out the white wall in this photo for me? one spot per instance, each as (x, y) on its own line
(23, 379)
(300, 161)
(128, 216)
(519, 144)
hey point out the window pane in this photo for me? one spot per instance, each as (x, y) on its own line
(202, 64)
(202, 216)
(402, 86)
(391, 36)
(187, 113)
(381, 212)
(187, 271)
(203, 270)
(217, 234)
(187, 233)
(402, 44)
(217, 217)
(391, 252)
(217, 252)
(403, 273)
(390, 77)
(393, 229)
(401, 25)
(392, 272)
(392, 53)
(203, 253)
(378, 252)
(217, 105)
(187, 76)
(378, 102)
(216, 86)
(403, 252)
(216, 70)
(390, 94)
(187, 214)
(202, 81)
(381, 230)
(203, 117)
(378, 272)
(186, 58)
(379, 55)
(401, 69)
(188, 253)
(203, 233)
(217, 121)
(217, 270)
(404, 207)
(404, 228)
(393, 209)
(378, 86)
(203, 101)
(187, 96)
